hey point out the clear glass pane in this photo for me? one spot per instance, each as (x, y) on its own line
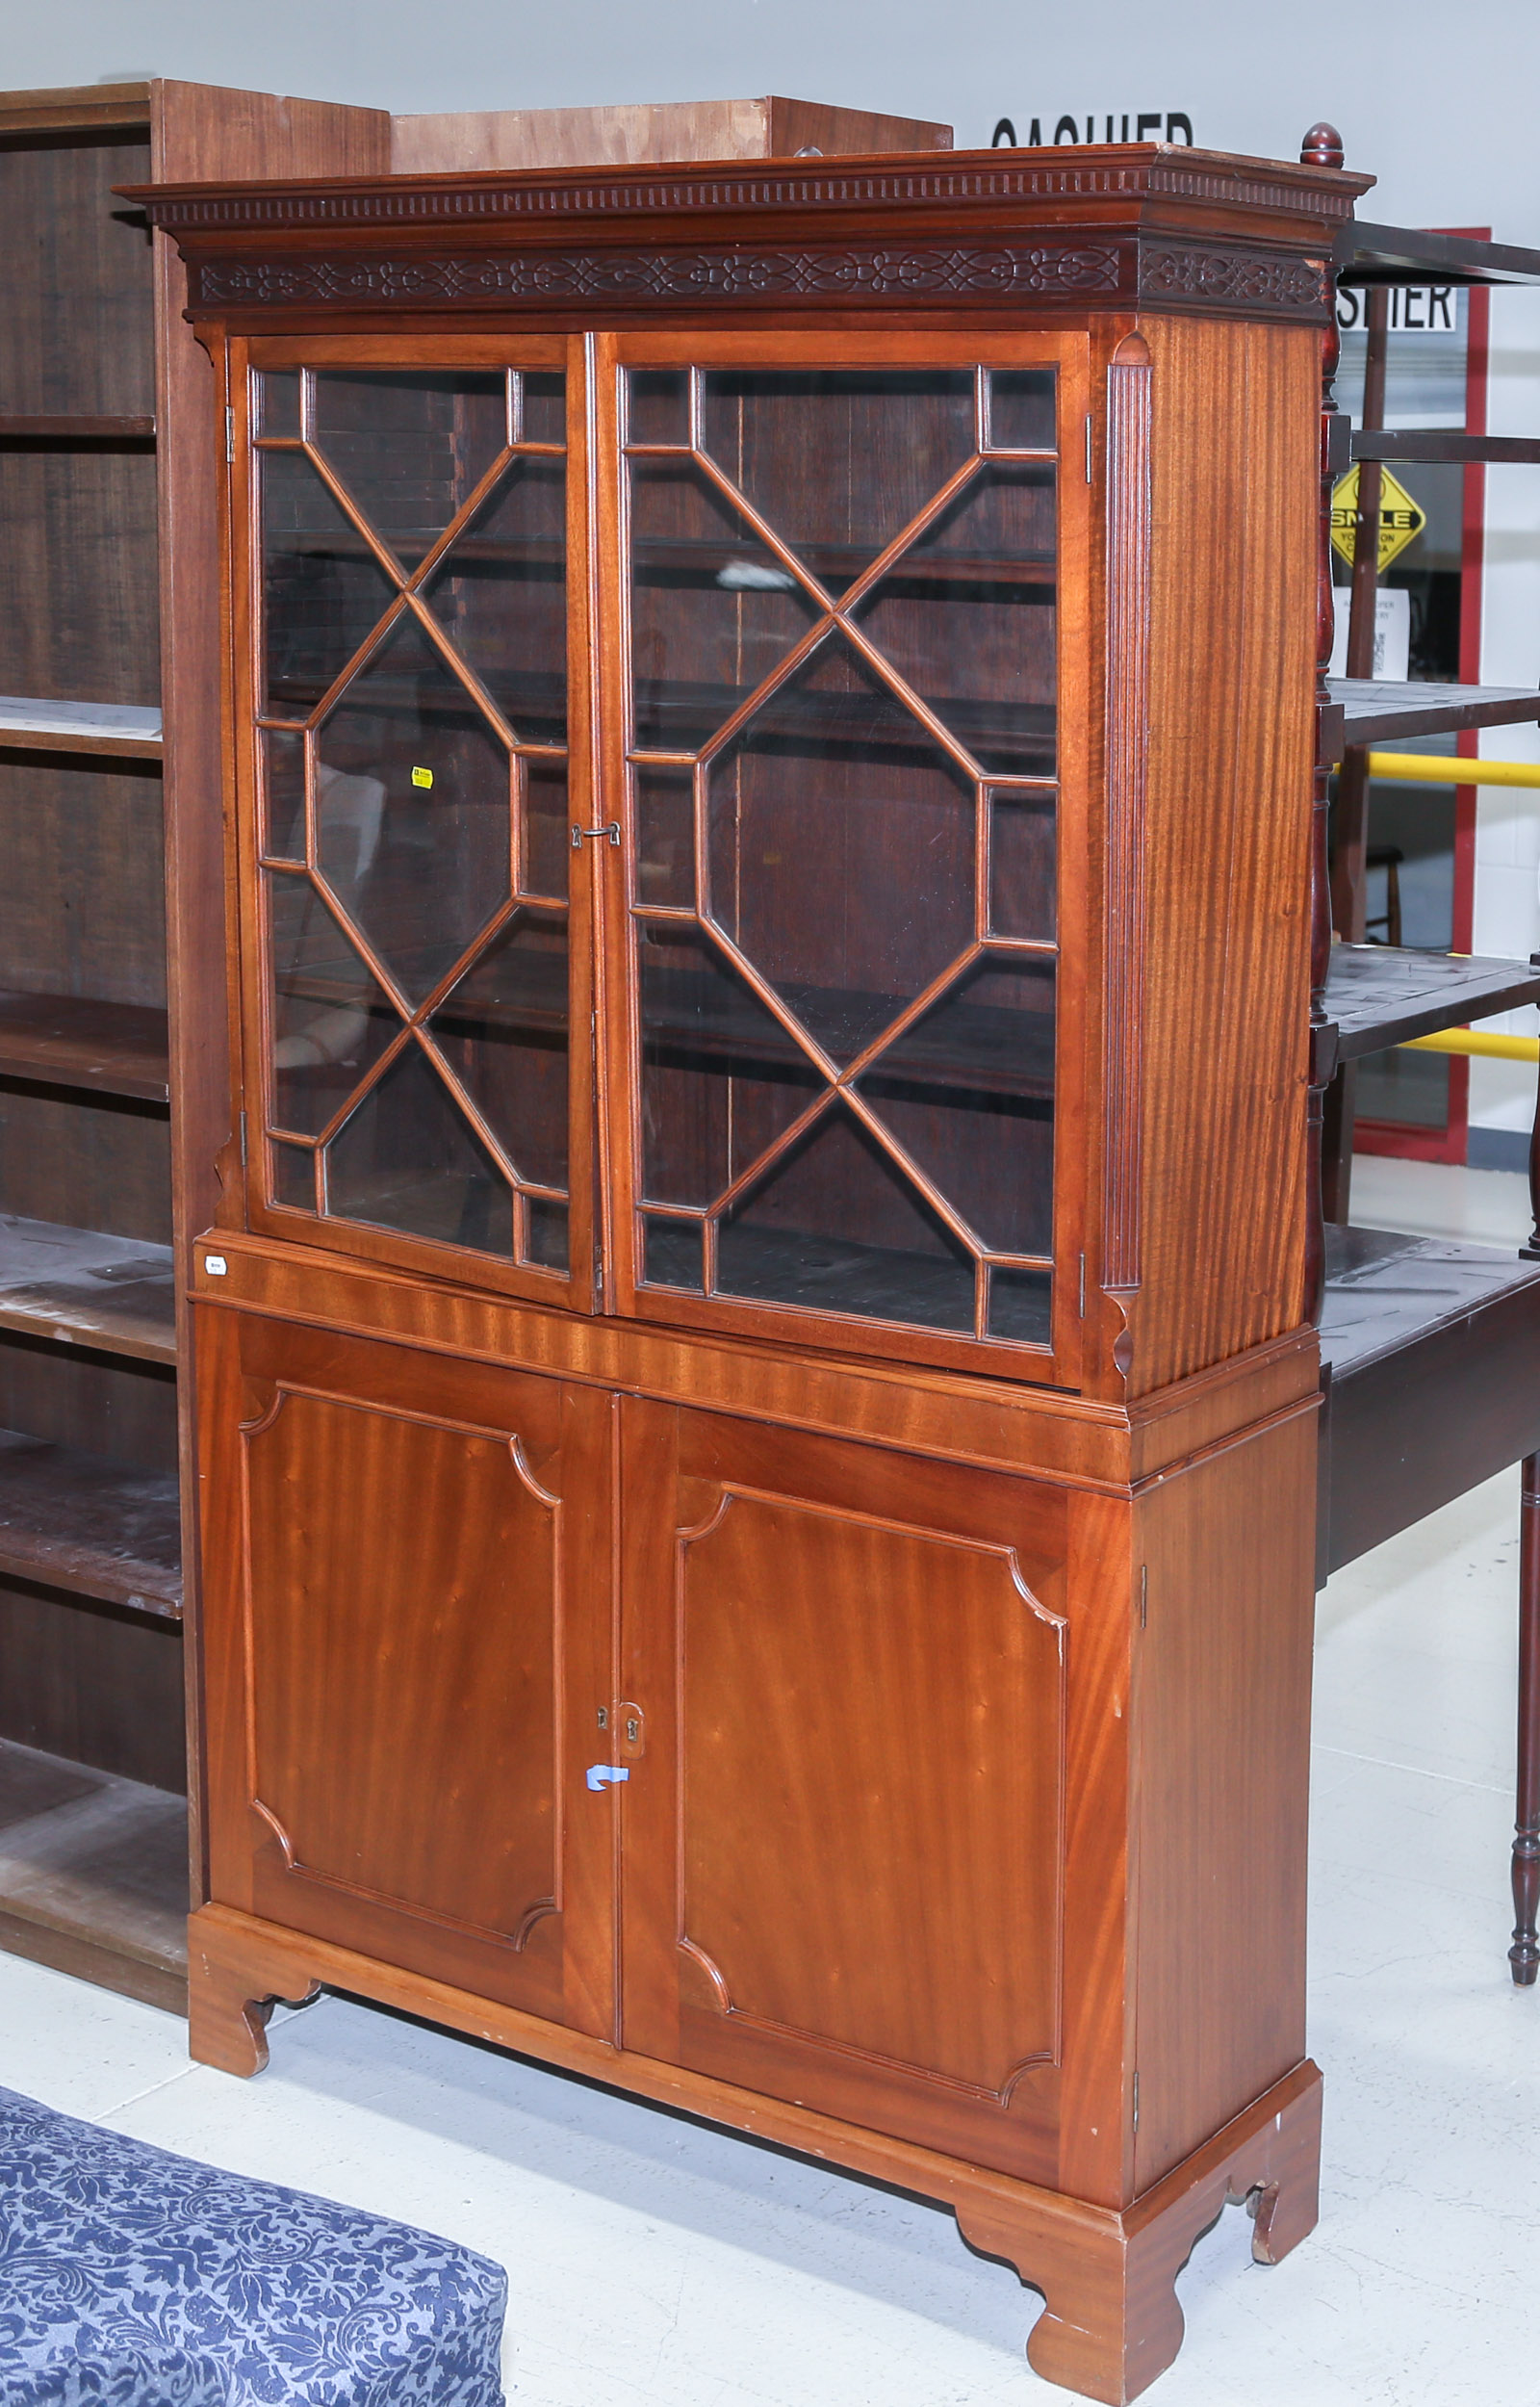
(283, 795)
(323, 591)
(1021, 1306)
(712, 609)
(409, 1160)
(968, 618)
(665, 838)
(413, 808)
(838, 461)
(504, 1033)
(547, 1245)
(1021, 409)
(293, 1177)
(721, 1079)
(657, 406)
(543, 417)
(501, 597)
(546, 823)
(410, 444)
(671, 1254)
(330, 1019)
(278, 402)
(793, 1241)
(841, 845)
(968, 1092)
(1024, 865)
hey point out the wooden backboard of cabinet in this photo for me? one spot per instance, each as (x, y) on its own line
(769, 738)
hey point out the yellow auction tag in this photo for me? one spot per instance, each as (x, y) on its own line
(421, 777)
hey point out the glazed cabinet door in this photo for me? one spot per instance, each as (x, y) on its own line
(406, 1625)
(847, 713)
(846, 1829)
(411, 705)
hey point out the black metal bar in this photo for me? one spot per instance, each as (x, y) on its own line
(1427, 444)
(1397, 254)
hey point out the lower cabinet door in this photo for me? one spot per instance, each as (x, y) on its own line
(407, 1638)
(845, 1824)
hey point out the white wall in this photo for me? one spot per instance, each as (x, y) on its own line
(1436, 97)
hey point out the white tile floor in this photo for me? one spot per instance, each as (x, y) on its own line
(655, 2264)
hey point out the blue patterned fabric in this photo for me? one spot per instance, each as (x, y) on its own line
(132, 2278)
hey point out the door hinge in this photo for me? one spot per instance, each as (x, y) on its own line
(229, 436)
(1082, 1286)
(1136, 2102)
(1144, 1595)
(243, 1121)
(1089, 450)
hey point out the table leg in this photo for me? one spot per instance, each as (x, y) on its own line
(1524, 1953)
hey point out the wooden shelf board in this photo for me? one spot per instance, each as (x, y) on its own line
(67, 1040)
(81, 1287)
(1381, 994)
(104, 727)
(94, 1875)
(75, 426)
(1376, 712)
(76, 1521)
(77, 108)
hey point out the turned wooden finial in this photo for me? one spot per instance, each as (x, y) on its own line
(1322, 146)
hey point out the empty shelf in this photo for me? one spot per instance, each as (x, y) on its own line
(1373, 712)
(1381, 995)
(81, 1287)
(76, 1521)
(111, 433)
(1386, 1292)
(94, 1875)
(104, 1049)
(103, 727)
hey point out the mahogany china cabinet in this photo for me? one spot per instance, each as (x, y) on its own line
(758, 1409)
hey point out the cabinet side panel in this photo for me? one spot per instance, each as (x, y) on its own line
(1221, 1717)
(1226, 1004)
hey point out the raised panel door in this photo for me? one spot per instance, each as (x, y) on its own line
(846, 1827)
(407, 1626)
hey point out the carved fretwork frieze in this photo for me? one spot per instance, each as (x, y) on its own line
(1242, 279)
(974, 272)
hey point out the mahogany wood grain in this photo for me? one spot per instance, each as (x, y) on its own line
(960, 1691)
(1220, 1739)
(100, 1684)
(400, 1728)
(1227, 995)
(637, 132)
(1002, 1424)
(1113, 2322)
(853, 1670)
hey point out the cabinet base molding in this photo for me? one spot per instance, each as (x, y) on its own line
(1113, 2321)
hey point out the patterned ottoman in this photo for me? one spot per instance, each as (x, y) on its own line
(137, 2279)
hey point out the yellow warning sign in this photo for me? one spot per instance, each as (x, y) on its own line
(1401, 519)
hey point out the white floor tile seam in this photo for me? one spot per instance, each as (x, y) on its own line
(1415, 1772)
